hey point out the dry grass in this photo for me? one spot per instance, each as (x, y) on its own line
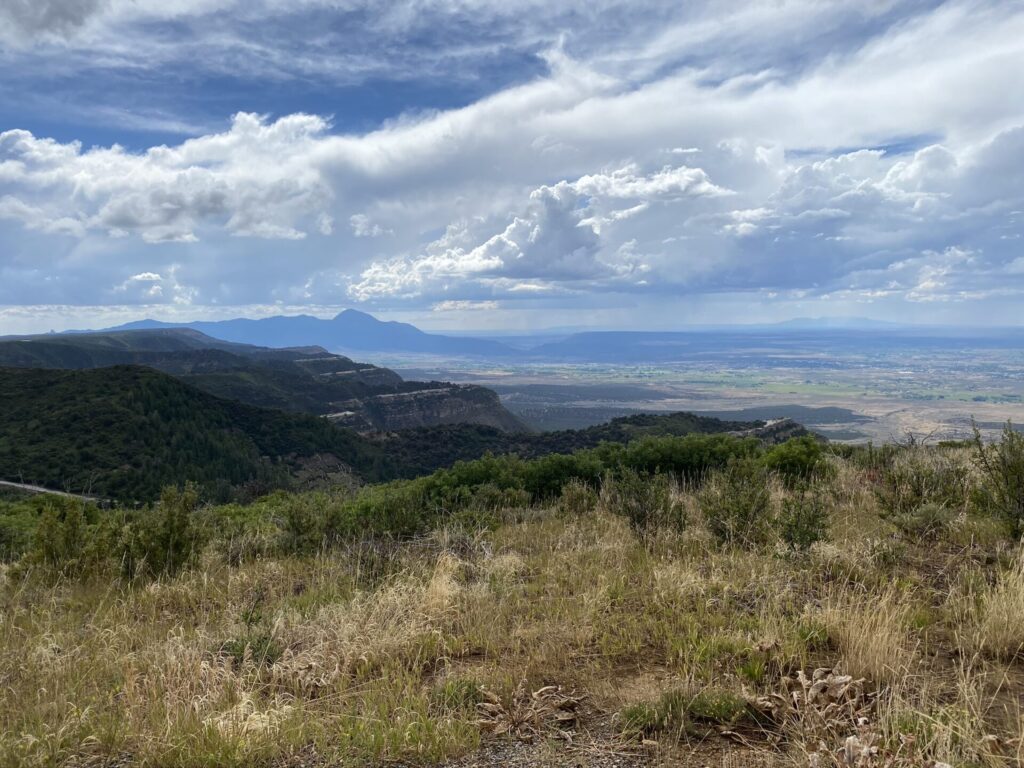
(870, 632)
(384, 652)
(997, 617)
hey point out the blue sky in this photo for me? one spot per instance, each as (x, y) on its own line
(477, 164)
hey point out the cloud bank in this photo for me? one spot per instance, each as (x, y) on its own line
(697, 156)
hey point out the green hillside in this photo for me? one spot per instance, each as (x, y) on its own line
(417, 451)
(307, 380)
(124, 432)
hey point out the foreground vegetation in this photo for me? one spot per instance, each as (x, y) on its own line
(697, 600)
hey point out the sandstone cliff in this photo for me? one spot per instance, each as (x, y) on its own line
(431, 406)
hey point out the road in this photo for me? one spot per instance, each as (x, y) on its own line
(39, 489)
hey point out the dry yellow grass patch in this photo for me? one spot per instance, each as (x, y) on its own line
(871, 632)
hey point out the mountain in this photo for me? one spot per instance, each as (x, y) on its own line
(303, 379)
(123, 432)
(350, 330)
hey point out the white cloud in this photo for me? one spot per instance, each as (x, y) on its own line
(36, 218)
(363, 227)
(544, 185)
(257, 179)
(556, 239)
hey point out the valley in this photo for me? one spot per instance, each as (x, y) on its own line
(864, 390)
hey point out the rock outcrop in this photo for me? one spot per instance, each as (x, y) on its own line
(448, 404)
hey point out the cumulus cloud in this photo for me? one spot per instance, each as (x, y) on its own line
(857, 163)
(554, 241)
(147, 287)
(256, 179)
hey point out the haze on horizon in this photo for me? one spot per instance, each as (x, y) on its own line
(482, 165)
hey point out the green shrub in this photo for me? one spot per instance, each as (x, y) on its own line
(16, 532)
(489, 498)
(1001, 490)
(737, 504)
(545, 477)
(163, 539)
(59, 538)
(804, 519)
(304, 523)
(646, 501)
(259, 648)
(577, 499)
(917, 476)
(400, 509)
(690, 457)
(796, 460)
(72, 538)
(927, 521)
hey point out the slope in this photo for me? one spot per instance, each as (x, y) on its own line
(123, 432)
(302, 379)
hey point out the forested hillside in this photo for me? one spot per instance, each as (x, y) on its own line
(124, 432)
(306, 379)
(417, 451)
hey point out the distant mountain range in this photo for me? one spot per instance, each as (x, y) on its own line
(354, 332)
(350, 330)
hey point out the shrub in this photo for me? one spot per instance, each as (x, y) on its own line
(926, 521)
(577, 499)
(545, 477)
(646, 501)
(163, 539)
(737, 504)
(1001, 490)
(260, 649)
(491, 498)
(70, 538)
(796, 460)
(400, 509)
(690, 457)
(303, 523)
(804, 519)
(59, 538)
(917, 476)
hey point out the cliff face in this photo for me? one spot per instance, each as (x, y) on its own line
(451, 404)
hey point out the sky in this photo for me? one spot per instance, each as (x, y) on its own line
(503, 164)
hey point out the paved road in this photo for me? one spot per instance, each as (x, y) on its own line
(40, 489)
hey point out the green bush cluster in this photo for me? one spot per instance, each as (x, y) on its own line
(804, 519)
(796, 461)
(921, 490)
(73, 538)
(737, 503)
(577, 498)
(1001, 466)
(645, 500)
